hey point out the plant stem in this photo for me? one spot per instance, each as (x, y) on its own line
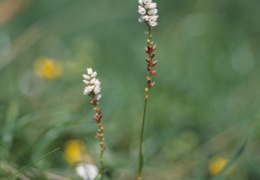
(100, 135)
(101, 163)
(140, 161)
(141, 143)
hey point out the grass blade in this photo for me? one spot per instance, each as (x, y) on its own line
(239, 152)
(33, 163)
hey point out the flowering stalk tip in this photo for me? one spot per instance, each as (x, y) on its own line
(93, 89)
(147, 10)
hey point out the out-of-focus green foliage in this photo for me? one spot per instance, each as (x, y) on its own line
(207, 90)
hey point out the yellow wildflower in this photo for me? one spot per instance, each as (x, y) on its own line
(47, 68)
(216, 164)
(73, 151)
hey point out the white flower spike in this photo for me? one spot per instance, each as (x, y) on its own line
(148, 12)
(92, 84)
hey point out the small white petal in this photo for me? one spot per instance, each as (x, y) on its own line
(141, 10)
(92, 81)
(140, 2)
(152, 23)
(146, 18)
(94, 74)
(154, 18)
(88, 89)
(150, 6)
(97, 89)
(147, 1)
(85, 81)
(86, 92)
(85, 76)
(97, 83)
(152, 12)
(141, 20)
(98, 96)
(90, 71)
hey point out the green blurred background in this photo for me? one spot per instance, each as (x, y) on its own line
(205, 98)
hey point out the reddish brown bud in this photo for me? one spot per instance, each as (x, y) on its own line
(153, 72)
(148, 59)
(93, 101)
(99, 135)
(154, 63)
(96, 118)
(152, 55)
(104, 148)
(149, 68)
(153, 48)
(152, 84)
(146, 50)
(101, 143)
(98, 110)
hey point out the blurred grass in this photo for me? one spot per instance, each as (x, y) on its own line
(205, 98)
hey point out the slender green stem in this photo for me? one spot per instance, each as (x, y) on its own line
(141, 143)
(101, 140)
(101, 163)
(140, 161)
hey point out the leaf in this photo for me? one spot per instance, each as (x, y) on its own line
(239, 152)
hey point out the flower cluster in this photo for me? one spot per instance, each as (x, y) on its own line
(93, 85)
(148, 12)
(93, 89)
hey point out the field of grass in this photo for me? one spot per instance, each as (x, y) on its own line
(206, 96)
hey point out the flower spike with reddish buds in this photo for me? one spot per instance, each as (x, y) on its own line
(93, 89)
(148, 11)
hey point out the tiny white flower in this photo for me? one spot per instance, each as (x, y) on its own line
(152, 23)
(146, 18)
(88, 89)
(152, 12)
(154, 18)
(92, 81)
(150, 6)
(97, 89)
(147, 1)
(97, 83)
(94, 74)
(85, 81)
(141, 10)
(85, 76)
(98, 96)
(140, 2)
(89, 70)
(86, 92)
(141, 20)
